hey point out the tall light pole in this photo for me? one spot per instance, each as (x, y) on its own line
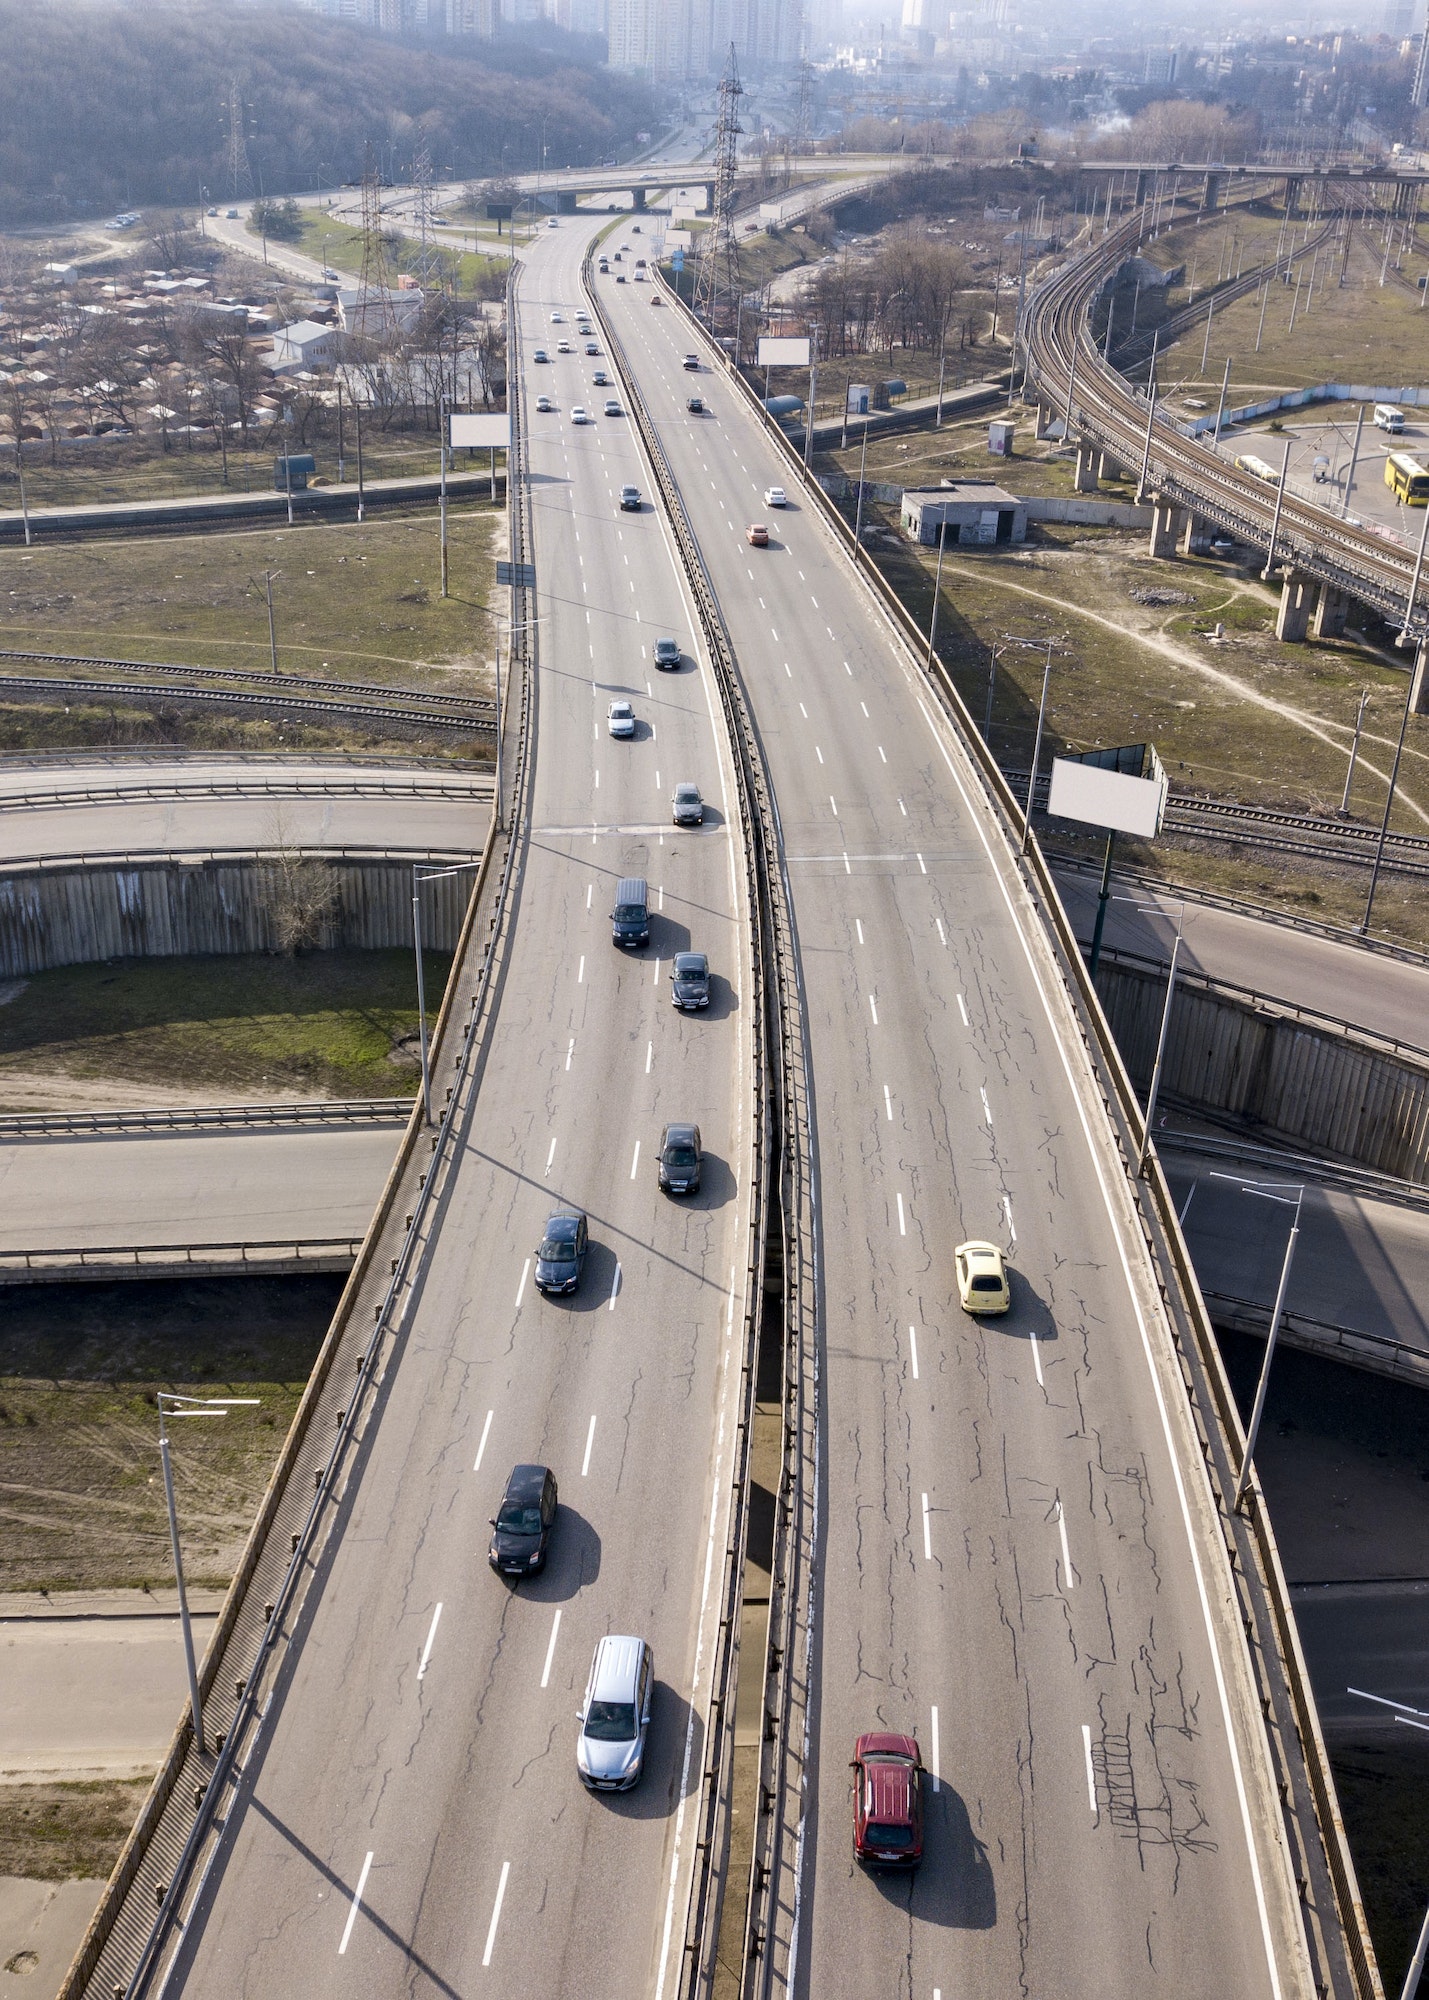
(937, 593)
(1278, 1191)
(270, 576)
(171, 1405)
(858, 510)
(421, 873)
(1155, 1090)
(1363, 926)
(1036, 751)
(1354, 753)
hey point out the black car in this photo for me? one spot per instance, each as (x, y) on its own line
(690, 979)
(695, 405)
(561, 1256)
(680, 1159)
(667, 654)
(523, 1521)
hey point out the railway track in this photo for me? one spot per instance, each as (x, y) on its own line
(37, 687)
(457, 704)
(1071, 376)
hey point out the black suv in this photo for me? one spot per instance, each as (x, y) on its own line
(523, 1521)
(680, 1159)
(560, 1259)
(667, 654)
(690, 979)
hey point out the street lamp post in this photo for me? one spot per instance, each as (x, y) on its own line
(1155, 1090)
(421, 873)
(1036, 751)
(858, 510)
(1389, 795)
(937, 594)
(171, 1405)
(1281, 1192)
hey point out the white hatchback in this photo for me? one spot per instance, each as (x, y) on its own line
(620, 719)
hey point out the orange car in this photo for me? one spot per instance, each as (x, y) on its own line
(757, 535)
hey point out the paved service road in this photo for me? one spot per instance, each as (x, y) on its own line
(1018, 1558)
(259, 1186)
(422, 1744)
(1389, 996)
(184, 806)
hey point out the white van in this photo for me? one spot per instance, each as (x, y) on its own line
(1388, 418)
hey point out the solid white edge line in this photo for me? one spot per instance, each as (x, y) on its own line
(485, 1434)
(427, 1649)
(356, 1905)
(551, 1648)
(496, 1913)
(1183, 1497)
(1091, 1774)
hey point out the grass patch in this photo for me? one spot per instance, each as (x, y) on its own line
(66, 1833)
(325, 1024)
(352, 601)
(81, 1493)
(341, 244)
(1124, 672)
(1356, 332)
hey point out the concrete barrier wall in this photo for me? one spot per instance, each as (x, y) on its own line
(1297, 399)
(159, 910)
(1291, 1081)
(1089, 513)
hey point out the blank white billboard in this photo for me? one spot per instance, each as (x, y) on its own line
(678, 239)
(480, 433)
(1107, 798)
(775, 352)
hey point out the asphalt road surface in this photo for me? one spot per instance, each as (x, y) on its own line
(1018, 1564)
(1389, 996)
(422, 1746)
(260, 1186)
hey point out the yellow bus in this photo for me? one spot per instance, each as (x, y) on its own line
(1407, 479)
(1258, 469)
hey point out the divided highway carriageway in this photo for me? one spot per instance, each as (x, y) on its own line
(1019, 1549)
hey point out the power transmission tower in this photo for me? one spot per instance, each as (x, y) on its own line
(804, 115)
(717, 279)
(235, 118)
(429, 261)
(375, 312)
(1419, 90)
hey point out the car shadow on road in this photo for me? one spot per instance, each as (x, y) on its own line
(1029, 1317)
(572, 1562)
(593, 1292)
(658, 1794)
(724, 1001)
(717, 1185)
(668, 935)
(954, 1887)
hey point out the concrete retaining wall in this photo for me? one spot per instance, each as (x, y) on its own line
(1089, 513)
(1296, 399)
(164, 909)
(1289, 1080)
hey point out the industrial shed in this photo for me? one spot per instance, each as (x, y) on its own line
(975, 511)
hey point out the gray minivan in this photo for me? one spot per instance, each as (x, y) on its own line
(615, 1715)
(630, 918)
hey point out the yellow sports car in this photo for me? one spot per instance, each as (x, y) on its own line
(982, 1278)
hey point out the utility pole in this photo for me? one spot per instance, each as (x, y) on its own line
(1268, 1191)
(269, 577)
(1354, 461)
(858, 510)
(1036, 752)
(937, 595)
(1354, 753)
(442, 503)
(1221, 406)
(1275, 522)
(1363, 925)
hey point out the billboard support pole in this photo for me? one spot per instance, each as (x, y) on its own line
(1103, 898)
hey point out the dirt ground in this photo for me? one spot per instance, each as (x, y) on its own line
(81, 1497)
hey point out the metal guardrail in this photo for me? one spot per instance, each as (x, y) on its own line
(424, 790)
(154, 1877)
(99, 1259)
(1282, 1161)
(1338, 1939)
(1376, 1353)
(198, 857)
(37, 687)
(782, 1200)
(340, 1111)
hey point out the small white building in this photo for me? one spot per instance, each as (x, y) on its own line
(377, 313)
(974, 511)
(62, 274)
(305, 344)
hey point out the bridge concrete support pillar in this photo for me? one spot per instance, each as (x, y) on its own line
(1406, 199)
(637, 200)
(1332, 608)
(1292, 620)
(1293, 185)
(1211, 196)
(1143, 187)
(1195, 536)
(1107, 467)
(1088, 463)
(565, 201)
(1046, 416)
(1166, 524)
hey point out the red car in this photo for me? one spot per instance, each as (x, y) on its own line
(757, 535)
(887, 1802)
